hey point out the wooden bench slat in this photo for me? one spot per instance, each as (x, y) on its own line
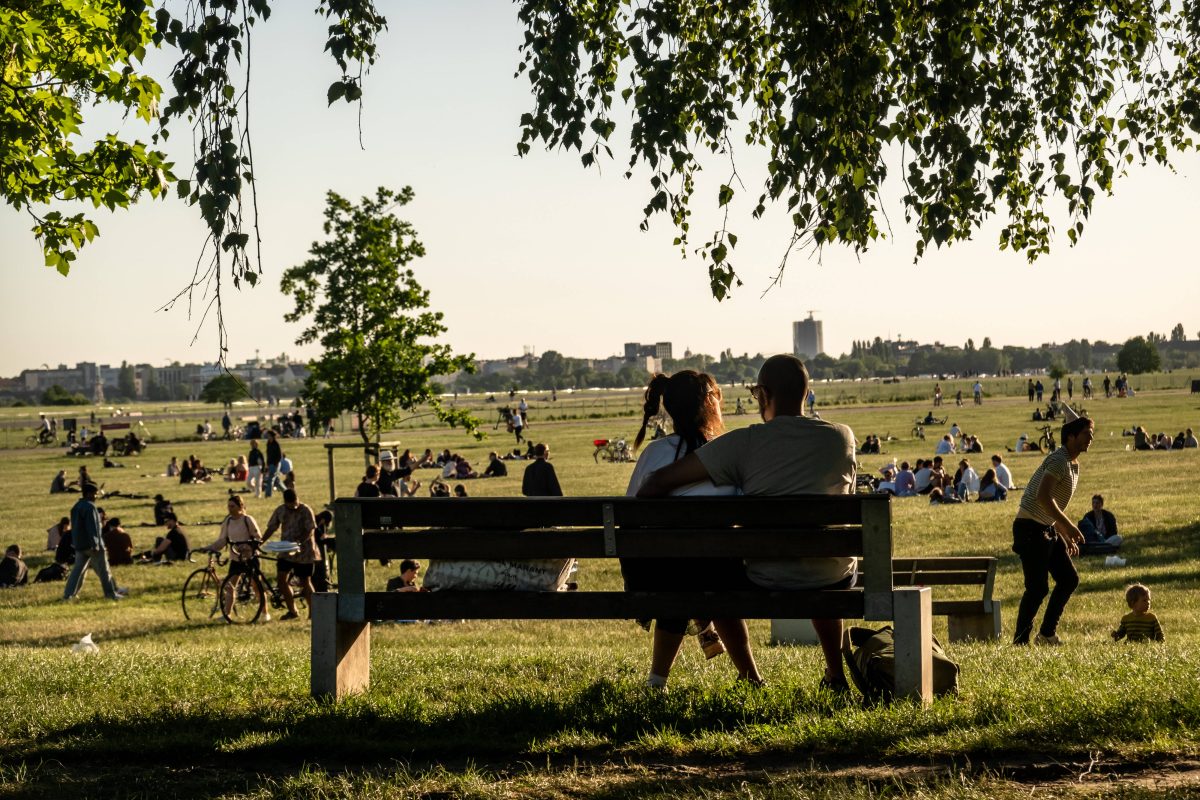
(952, 563)
(844, 603)
(947, 608)
(508, 512)
(589, 543)
(972, 578)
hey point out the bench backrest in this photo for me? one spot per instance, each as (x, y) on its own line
(607, 527)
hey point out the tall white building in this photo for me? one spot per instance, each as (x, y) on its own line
(808, 339)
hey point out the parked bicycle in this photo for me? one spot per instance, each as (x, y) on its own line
(1046, 441)
(612, 450)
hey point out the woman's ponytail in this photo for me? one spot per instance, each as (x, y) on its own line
(651, 406)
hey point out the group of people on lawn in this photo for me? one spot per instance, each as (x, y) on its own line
(788, 453)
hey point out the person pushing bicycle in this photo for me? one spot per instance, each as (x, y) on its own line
(240, 532)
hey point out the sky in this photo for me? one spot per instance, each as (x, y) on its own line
(539, 252)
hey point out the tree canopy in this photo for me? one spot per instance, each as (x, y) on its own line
(223, 389)
(363, 305)
(1023, 110)
(1138, 355)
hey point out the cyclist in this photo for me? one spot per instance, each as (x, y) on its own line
(44, 430)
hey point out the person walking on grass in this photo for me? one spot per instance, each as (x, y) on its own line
(1046, 539)
(296, 523)
(89, 547)
(787, 454)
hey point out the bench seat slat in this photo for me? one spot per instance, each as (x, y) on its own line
(943, 563)
(844, 603)
(509, 512)
(939, 578)
(589, 543)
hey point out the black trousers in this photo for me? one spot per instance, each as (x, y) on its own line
(1043, 555)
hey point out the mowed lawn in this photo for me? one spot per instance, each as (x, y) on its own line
(515, 709)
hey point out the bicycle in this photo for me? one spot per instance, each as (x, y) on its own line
(1046, 441)
(41, 439)
(201, 589)
(245, 595)
(615, 451)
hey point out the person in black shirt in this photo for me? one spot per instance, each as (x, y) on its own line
(540, 479)
(370, 483)
(386, 476)
(186, 473)
(274, 456)
(13, 571)
(495, 468)
(162, 507)
(171, 547)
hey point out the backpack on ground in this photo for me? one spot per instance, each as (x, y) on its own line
(871, 660)
(51, 573)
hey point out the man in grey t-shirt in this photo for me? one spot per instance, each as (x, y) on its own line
(787, 454)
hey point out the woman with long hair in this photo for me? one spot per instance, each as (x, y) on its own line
(692, 401)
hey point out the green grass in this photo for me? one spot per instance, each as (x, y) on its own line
(523, 708)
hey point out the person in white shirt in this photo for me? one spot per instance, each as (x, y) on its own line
(946, 446)
(1003, 474)
(955, 431)
(693, 402)
(923, 477)
(977, 389)
(968, 480)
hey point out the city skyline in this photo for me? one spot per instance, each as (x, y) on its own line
(524, 251)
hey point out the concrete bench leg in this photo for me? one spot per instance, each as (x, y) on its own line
(914, 643)
(975, 627)
(341, 651)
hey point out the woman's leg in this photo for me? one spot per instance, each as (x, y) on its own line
(665, 649)
(736, 636)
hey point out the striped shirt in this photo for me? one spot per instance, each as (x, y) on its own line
(1139, 627)
(1059, 465)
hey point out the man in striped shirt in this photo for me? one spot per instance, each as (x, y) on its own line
(1045, 538)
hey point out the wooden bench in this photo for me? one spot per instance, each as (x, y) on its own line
(967, 619)
(607, 527)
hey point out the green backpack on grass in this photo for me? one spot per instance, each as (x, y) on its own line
(871, 660)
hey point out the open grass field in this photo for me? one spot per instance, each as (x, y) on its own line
(520, 709)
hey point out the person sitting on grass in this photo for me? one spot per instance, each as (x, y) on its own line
(439, 488)
(1141, 439)
(186, 475)
(427, 461)
(991, 489)
(172, 546)
(906, 482)
(939, 498)
(946, 446)
(59, 484)
(496, 467)
(460, 490)
(463, 470)
(1003, 474)
(173, 468)
(966, 480)
(1099, 528)
(13, 571)
(407, 580)
(1189, 439)
(118, 543)
(1140, 624)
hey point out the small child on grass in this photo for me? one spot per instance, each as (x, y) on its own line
(1140, 624)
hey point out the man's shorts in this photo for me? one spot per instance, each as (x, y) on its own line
(299, 570)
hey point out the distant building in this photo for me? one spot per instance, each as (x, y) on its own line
(635, 351)
(808, 338)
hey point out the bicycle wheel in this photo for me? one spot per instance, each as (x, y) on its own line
(32, 441)
(201, 596)
(241, 598)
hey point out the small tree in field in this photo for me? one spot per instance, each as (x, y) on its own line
(368, 313)
(223, 389)
(1138, 355)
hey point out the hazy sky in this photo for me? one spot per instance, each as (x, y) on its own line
(541, 252)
